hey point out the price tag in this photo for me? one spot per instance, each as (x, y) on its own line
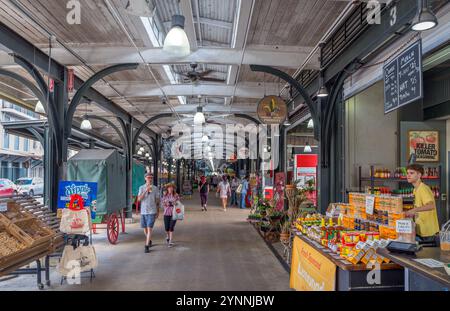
(404, 226)
(3, 207)
(370, 204)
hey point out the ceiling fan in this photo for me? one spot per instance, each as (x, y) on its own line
(195, 76)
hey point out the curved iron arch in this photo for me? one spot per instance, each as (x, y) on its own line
(298, 87)
(76, 100)
(122, 138)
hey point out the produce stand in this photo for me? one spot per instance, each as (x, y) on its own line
(418, 277)
(29, 211)
(347, 276)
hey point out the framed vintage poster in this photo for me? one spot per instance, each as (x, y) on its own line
(423, 145)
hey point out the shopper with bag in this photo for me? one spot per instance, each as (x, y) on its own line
(204, 190)
(169, 202)
(149, 199)
(224, 191)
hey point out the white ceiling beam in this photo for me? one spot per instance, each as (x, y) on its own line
(186, 10)
(136, 89)
(209, 21)
(281, 57)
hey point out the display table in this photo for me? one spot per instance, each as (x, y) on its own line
(419, 277)
(315, 267)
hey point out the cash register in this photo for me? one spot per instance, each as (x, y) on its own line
(403, 247)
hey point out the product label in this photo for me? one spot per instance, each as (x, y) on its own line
(3, 207)
(404, 226)
(370, 204)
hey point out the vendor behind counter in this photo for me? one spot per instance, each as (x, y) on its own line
(424, 211)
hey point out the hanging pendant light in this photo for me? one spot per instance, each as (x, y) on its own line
(86, 124)
(147, 155)
(139, 153)
(199, 117)
(308, 148)
(177, 42)
(205, 138)
(323, 91)
(39, 108)
(142, 149)
(311, 124)
(425, 19)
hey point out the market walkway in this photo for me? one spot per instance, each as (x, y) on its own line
(214, 251)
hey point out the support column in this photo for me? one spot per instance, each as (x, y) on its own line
(129, 169)
(178, 180)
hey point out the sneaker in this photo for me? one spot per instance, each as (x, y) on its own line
(167, 240)
(147, 249)
(150, 244)
(171, 244)
(205, 209)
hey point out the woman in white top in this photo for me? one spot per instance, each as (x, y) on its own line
(224, 190)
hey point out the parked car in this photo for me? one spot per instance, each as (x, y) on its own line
(30, 185)
(7, 188)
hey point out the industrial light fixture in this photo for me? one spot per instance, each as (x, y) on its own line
(287, 123)
(86, 124)
(177, 42)
(323, 91)
(311, 124)
(139, 153)
(147, 155)
(199, 117)
(142, 8)
(205, 138)
(142, 149)
(308, 148)
(425, 19)
(39, 108)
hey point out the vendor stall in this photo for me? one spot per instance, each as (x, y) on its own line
(427, 270)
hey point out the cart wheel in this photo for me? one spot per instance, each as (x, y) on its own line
(112, 229)
(41, 286)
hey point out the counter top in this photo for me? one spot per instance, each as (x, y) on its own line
(407, 261)
(338, 260)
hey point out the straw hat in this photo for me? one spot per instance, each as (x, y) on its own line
(171, 184)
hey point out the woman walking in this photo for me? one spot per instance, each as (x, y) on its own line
(204, 190)
(225, 191)
(168, 201)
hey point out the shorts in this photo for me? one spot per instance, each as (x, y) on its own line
(147, 221)
(169, 223)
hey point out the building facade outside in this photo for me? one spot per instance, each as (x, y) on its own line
(19, 157)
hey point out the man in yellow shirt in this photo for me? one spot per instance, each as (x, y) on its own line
(424, 210)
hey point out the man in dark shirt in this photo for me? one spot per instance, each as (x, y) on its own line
(204, 190)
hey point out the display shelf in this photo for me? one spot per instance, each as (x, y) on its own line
(372, 179)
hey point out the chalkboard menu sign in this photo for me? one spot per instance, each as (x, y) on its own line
(403, 78)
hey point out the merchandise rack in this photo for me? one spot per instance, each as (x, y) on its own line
(372, 179)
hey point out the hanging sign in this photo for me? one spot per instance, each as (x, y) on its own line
(272, 110)
(70, 80)
(424, 145)
(402, 77)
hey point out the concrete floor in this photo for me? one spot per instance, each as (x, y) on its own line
(214, 251)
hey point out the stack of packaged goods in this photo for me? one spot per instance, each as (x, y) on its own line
(355, 234)
(387, 210)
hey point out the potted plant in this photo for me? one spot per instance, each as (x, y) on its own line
(265, 227)
(275, 215)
